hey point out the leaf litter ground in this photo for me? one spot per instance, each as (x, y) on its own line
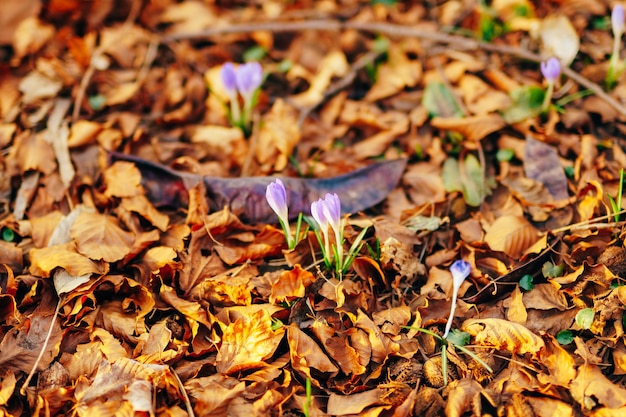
(125, 290)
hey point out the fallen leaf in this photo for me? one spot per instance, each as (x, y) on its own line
(247, 342)
(503, 335)
(100, 237)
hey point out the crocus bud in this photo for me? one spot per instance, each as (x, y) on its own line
(229, 78)
(317, 211)
(248, 78)
(332, 211)
(277, 199)
(460, 270)
(551, 69)
(617, 20)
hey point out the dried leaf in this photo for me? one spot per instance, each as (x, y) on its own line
(123, 179)
(473, 128)
(503, 334)
(394, 75)
(44, 261)
(305, 354)
(21, 346)
(541, 163)
(512, 235)
(291, 284)
(341, 405)
(100, 237)
(559, 38)
(591, 385)
(247, 342)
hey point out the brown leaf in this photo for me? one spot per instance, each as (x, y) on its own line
(21, 346)
(541, 163)
(460, 396)
(305, 354)
(278, 136)
(559, 365)
(592, 385)
(341, 405)
(99, 236)
(394, 75)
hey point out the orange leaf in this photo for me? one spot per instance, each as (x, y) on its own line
(290, 285)
(99, 236)
(473, 128)
(247, 342)
(123, 179)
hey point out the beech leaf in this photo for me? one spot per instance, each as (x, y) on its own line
(245, 196)
(100, 237)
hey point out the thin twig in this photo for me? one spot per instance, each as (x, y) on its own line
(390, 29)
(43, 349)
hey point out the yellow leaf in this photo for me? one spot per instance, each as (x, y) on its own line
(503, 335)
(394, 75)
(516, 311)
(44, 260)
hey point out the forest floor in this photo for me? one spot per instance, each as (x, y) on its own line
(144, 272)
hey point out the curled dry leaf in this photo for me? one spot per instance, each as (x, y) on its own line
(291, 284)
(305, 354)
(503, 334)
(394, 75)
(461, 395)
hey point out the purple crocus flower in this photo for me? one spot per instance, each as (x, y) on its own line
(551, 69)
(229, 79)
(248, 78)
(318, 209)
(617, 20)
(460, 270)
(332, 211)
(276, 196)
